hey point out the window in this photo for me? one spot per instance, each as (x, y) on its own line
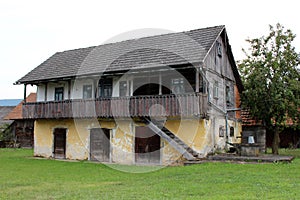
(221, 131)
(177, 86)
(87, 91)
(105, 87)
(219, 49)
(59, 94)
(216, 90)
(229, 96)
(231, 132)
(123, 88)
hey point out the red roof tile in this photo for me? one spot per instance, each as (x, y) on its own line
(16, 113)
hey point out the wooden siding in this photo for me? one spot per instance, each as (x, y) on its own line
(164, 105)
(218, 69)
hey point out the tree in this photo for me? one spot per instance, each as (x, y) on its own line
(270, 75)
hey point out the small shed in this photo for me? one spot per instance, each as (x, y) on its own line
(21, 129)
(255, 129)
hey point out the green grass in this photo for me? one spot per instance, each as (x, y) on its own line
(23, 177)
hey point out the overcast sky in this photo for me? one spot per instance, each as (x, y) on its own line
(32, 31)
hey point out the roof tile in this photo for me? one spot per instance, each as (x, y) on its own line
(167, 49)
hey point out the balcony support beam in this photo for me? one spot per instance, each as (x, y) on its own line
(197, 81)
(69, 89)
(46, 91)
(160, 84)
(25, 92)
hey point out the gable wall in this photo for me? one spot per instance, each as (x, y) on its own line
(218, 68)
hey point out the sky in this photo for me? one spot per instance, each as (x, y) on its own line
(33, 30)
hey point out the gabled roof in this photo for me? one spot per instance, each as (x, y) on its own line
(16, 112)
(167, 49)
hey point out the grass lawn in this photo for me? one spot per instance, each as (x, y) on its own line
(23, 177)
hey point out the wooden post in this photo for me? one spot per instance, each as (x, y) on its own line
(160, 84)
(95, 88)
(25, 88)
(197, 80)
(46, 91)
(69, 89)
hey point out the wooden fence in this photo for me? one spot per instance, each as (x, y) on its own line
(136, 106)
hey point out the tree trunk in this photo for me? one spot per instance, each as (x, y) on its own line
(276, 141)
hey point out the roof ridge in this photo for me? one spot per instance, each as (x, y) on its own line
(191, 45)
(144, 37)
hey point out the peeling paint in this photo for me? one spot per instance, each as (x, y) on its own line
(202, 135)
(123, 143)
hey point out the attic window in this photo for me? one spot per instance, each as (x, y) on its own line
(216, 90)
(219, 49)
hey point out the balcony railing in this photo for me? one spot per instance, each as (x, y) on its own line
(155, 105)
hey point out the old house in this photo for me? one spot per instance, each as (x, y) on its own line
(21, 129)
(158, 99)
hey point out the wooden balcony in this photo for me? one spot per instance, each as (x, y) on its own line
(186, 105)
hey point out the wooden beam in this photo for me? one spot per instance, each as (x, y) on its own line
(160, 84)
(46, 91)
(197, 81)
(25, 92)
(69, 89)
(95, 88)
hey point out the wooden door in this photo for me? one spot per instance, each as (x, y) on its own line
(59, 143)
(147, 146)
(99, 145)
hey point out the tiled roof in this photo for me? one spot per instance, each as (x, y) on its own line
(250, 121)
(247, 120)
(16, 112)
(168, 49)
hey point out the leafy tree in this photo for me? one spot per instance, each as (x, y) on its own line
(3, 134)
(270, 75)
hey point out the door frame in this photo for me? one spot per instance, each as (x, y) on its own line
(54, 137)
(110, 144)
(160, 148)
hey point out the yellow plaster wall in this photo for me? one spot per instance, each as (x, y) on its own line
(122, 141)
(237, 131)
(191, 131)
(77, 144)
(43, 139)
(220, 142)
(201, 135)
